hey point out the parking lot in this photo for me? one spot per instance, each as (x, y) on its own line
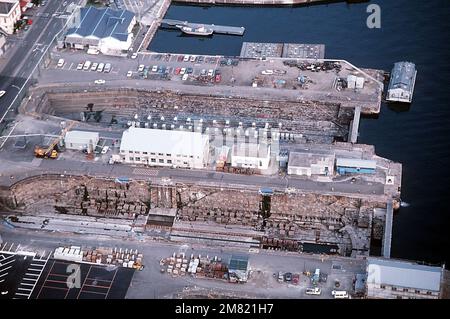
(96, 282)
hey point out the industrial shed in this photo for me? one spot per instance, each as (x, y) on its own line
(308, 163)
(106, 30)
(401, 85)
(164, 148)
(238, 268)
(392, 279)
(251, 155)
(81, 140)
(355, 165)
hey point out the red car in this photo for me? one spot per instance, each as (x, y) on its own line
(218, 78)
(177, 71)
(295, 279)
(180, 58)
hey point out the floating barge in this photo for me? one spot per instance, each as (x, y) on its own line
(402, 82)
(219, 29)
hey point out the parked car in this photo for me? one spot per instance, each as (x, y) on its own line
(105, 149)
(186, 58)
(193, 58)
(295, 279)
(134, 55)
(280, 276)
(87, 65)
(94, 66)
(267, 72)
(141, 68)
(189, 70)
(218, 78)
(60, 63)
(100, 67)
(203, 72)
(180, 58)
(99, 81)
(129, 74)
(2, 93)
(288, 277)
(183, 71)
(155, 68)
(80, 66)
(185, 77)
(201, 58)
(211, 72)
(177, 71)
(340, 294)
(107, 68)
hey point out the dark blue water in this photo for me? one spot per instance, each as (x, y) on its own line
(418, 137)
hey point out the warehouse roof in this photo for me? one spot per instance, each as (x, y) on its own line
(103, 23)
(403, 274)
(305, 159)
(81, 135)
(259, 150)
(402, 76)
(356, 162)
(163, 141)
(5, 7)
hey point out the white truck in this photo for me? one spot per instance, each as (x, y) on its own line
(313, 291)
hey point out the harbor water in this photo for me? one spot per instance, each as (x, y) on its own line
(417, 136)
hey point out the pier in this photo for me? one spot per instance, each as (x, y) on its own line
(219, 29)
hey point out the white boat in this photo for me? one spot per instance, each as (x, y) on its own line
(197, 31)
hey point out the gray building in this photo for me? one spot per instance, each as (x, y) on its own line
(105, 30)
(401, 85)
(311, 163)
(393, 279)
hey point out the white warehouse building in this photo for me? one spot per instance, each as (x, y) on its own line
(308, 163)
(164, 148)
(105, 30)
(251, 155)
(81, 140)
(394, 279)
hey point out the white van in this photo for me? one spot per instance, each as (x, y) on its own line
(340, 294)
(313, 291)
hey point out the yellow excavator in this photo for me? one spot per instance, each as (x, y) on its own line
(50, 151)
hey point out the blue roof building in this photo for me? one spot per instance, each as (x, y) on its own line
(105, 30)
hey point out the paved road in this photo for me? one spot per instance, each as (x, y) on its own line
(150, 283)
(46, 24)
(359, 189)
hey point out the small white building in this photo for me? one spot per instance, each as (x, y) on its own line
(164, 148)
(393, 279)
(9, 14)
(106, 30)
(309, 163)
(251, 155)
(81, 140)
(355, 82)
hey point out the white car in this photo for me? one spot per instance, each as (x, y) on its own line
(100, 67)
(80, 66)
(141, 68)
(60, 63)
(2, 93)
(99, 81)
(185, 77)
(105, 149)
(129, 74)
(192, 59)
(87, 65)
(154, 68)
(183, 71)
(267, 72)
(134, 55)
(186, 58)
(94, 66)
(211, 72)
(340, 294)
(107, 67)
